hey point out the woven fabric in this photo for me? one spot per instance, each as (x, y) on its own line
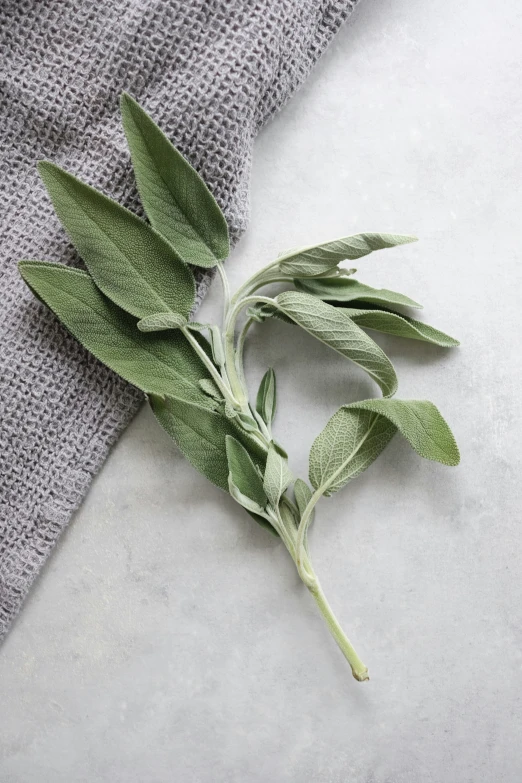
(210, 72)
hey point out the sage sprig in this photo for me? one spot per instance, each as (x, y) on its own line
(132, 308)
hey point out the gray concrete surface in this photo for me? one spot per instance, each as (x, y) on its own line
(169, 638)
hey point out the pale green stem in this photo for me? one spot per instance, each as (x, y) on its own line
(359, 670)
(241, 347)
(226, 289)
(295, 541)
(307, 574)
(236, 381)
(253, 283)
(210, 366)
(301, 557)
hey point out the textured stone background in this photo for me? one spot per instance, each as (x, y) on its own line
(169, 637)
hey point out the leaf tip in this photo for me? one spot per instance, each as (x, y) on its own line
(127, 101)
(44, 167)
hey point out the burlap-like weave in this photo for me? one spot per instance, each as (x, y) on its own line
(210, 72)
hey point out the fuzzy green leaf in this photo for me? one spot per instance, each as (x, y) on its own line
(334, 328)
(288, 516)
(130, 262)
(303, 495)
(266, 397)
(348, 445)
(356, 435)
(210, 388)
(250, 505)
(152, 362)
(200, 434)
(244, 475)
(177, 201)
(400, 326)
(161, 322)
(318, 259)
(277, 475)
(421, 423)
(346, 289)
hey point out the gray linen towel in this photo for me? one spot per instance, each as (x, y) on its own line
(211, 72)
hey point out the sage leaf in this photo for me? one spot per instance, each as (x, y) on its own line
(243, 500)
(318, 259)
(349, 443)
(266, 397)
(210, 388)
(288, 517)
(421, 423)
(242, 420)
(129, 262)
(243, 474)
(160, 322)
(152, 362)
(200, 433)
(400, 326)
(177, 201)
(333, 327)
(303, 495)
(356, 435)
(344, 289)
(277, 475)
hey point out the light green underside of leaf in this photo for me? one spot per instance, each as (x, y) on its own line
(129, 261)
(400, 326)
(320, 258)
(152, 362)
(349, 443)
(277, 476)
(266, 397)
(356, 435)
(177, 201)
(333, 327)
(345, 289)
(302, 495)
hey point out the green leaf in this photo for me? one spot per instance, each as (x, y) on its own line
(152, 362)
(243, 500)
(242, 420)
(161, 322)
(318, 259)
(344, 289)
(348, 445)
(421, 423)
(277, 475)
(243, 473)
(210, 388)
(266, 397)
(200, 434)
(333, 327)
(129, 261)
(177, 202)
(356, 435)
(400, 326)
(303, 495)
(288, 517)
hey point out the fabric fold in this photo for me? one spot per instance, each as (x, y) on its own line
(210, 73)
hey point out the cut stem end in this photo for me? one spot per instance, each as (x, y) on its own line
(359, 670)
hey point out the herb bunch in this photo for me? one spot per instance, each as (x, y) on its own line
(132, 309)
